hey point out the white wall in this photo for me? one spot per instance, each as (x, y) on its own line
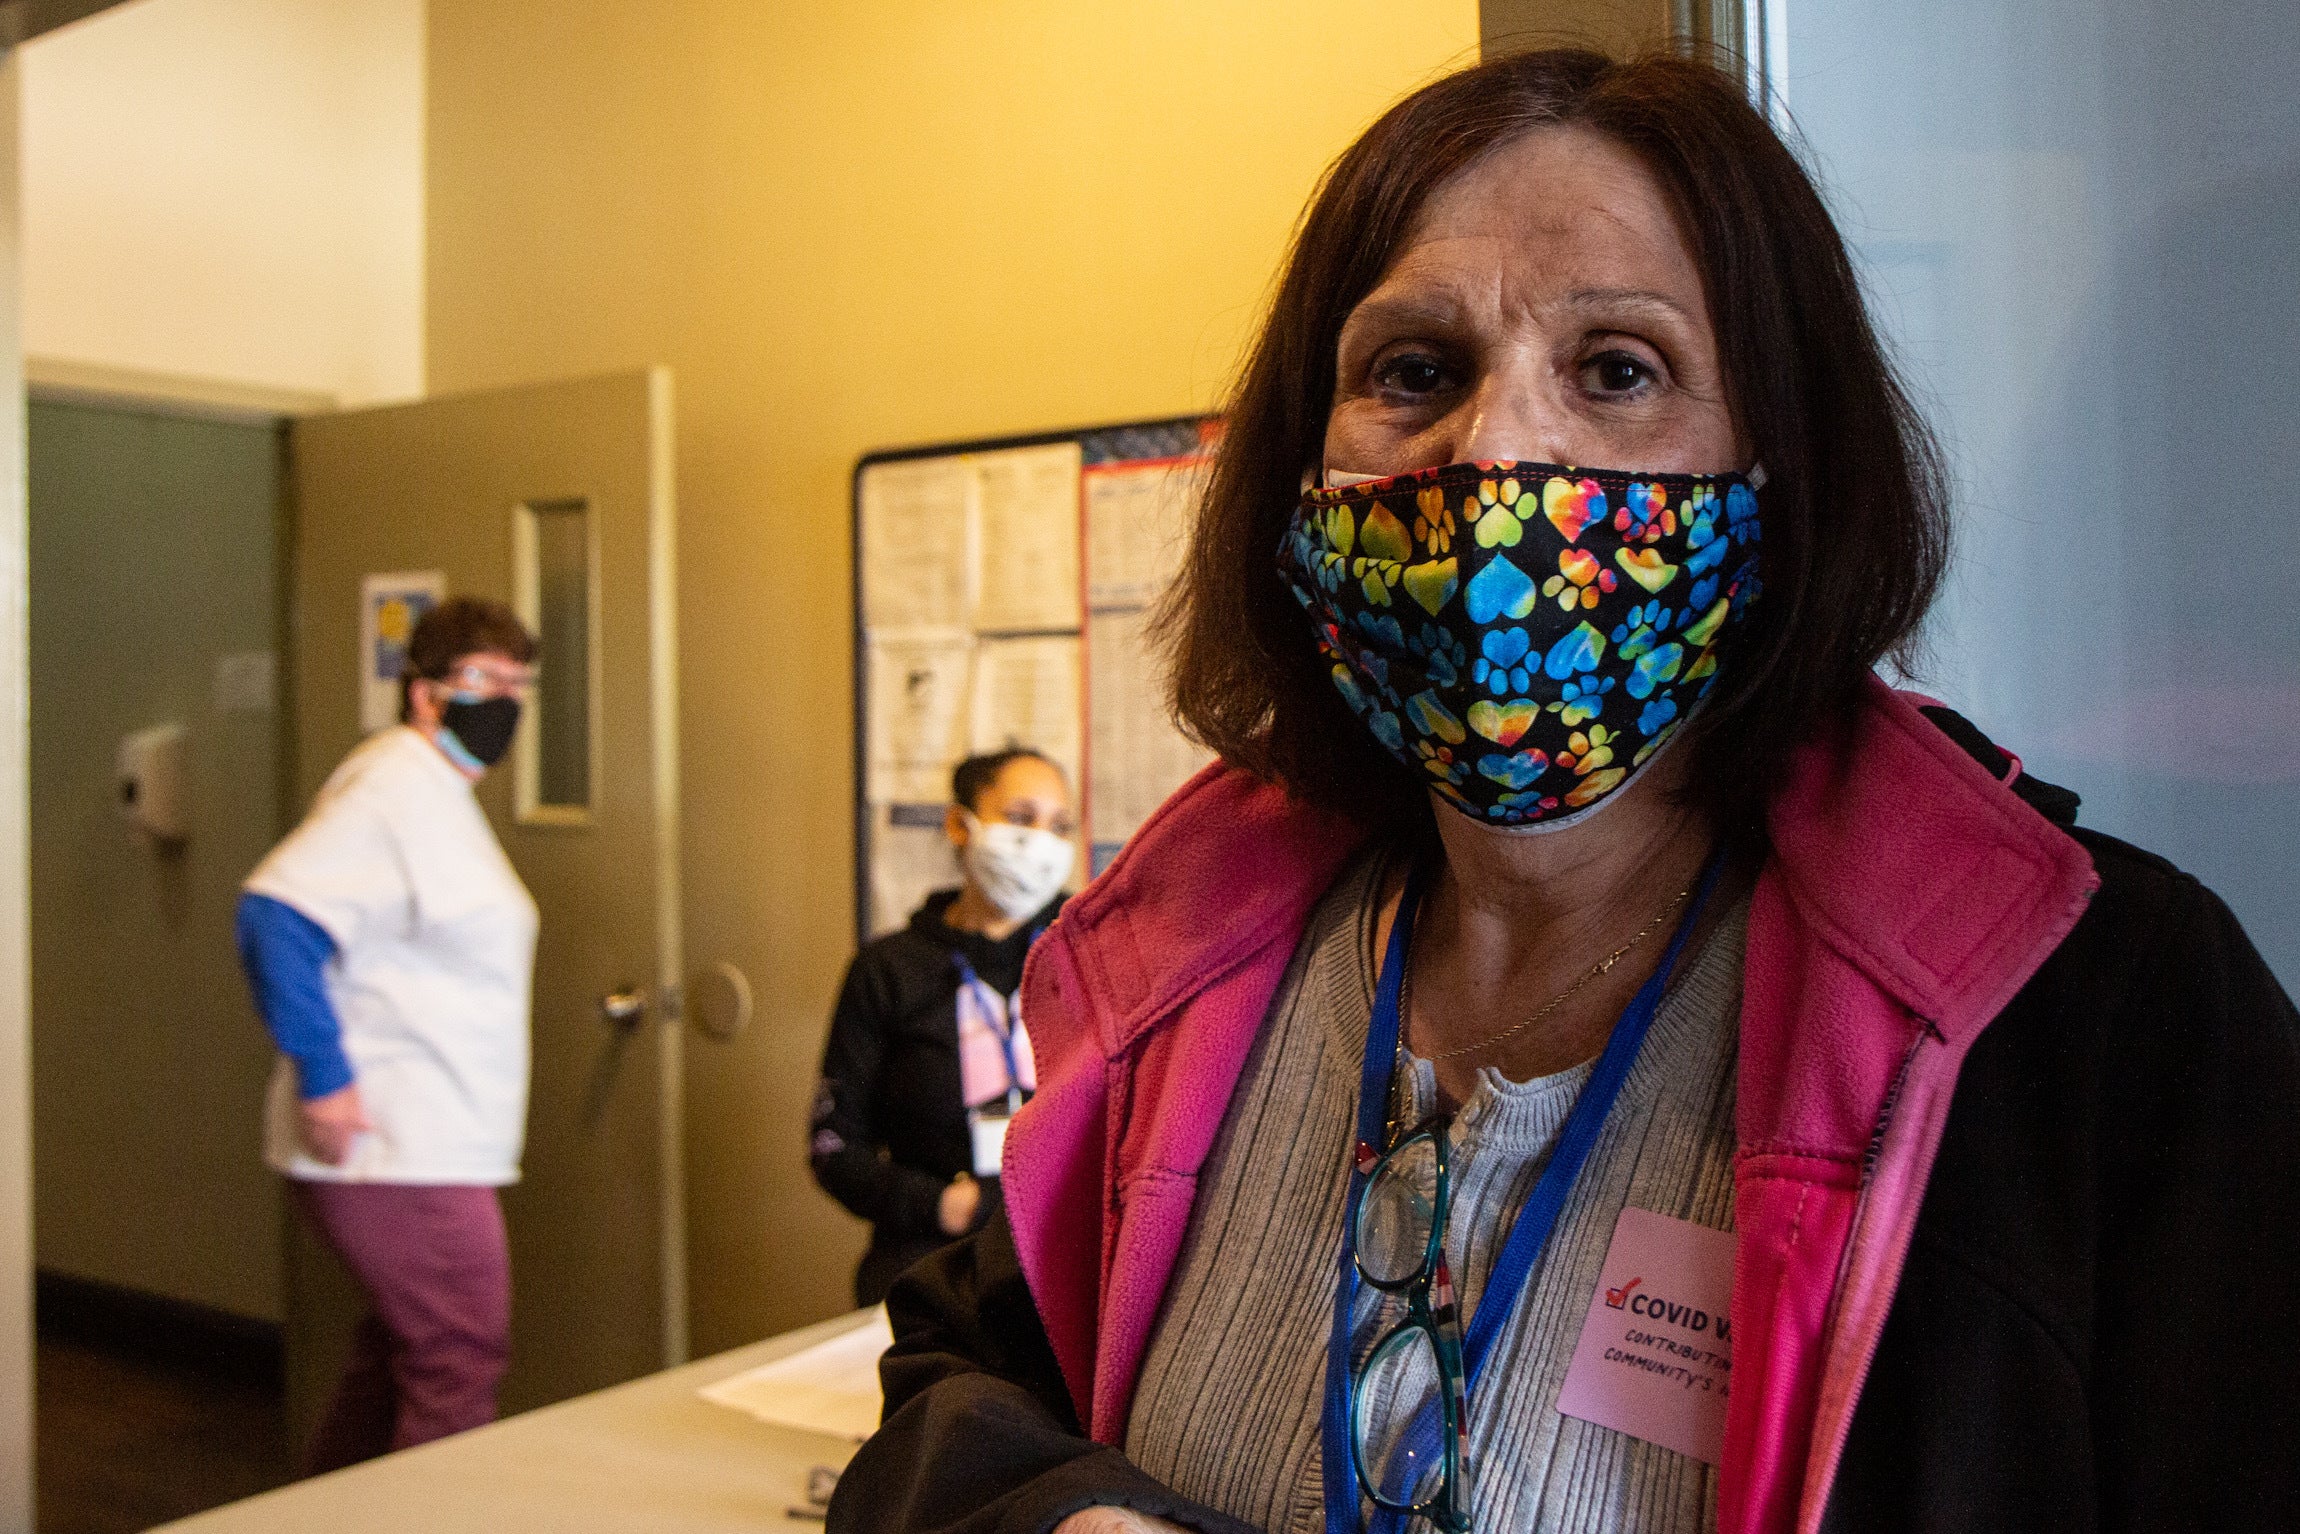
(230, 189)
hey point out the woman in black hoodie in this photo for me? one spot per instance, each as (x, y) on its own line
(927, 1057)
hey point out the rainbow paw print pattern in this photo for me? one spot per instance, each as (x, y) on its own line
(1526, 634)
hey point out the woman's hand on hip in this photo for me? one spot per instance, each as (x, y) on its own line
(959, 1202)
(1115, 1520)
(327, 1125)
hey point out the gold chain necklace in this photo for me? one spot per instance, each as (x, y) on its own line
(1406, 984)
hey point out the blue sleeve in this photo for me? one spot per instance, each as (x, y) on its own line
(283, 951)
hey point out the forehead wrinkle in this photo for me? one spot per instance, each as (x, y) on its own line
(1581, 247)
(1419, 291)
(1629, 298)
(1449, 276)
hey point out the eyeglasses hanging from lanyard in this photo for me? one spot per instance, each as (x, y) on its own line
(1398, 1242)
(1395, 1427)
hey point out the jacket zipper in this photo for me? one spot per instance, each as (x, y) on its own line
(1927, 1033)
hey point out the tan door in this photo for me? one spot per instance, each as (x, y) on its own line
(555, 498)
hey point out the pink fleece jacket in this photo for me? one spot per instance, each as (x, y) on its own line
(1908, 897)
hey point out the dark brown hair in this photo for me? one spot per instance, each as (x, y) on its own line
(458, 627)
(972, 777)
(1854, 507)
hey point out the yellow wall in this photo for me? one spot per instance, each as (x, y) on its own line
(848, 227)
(230, 189)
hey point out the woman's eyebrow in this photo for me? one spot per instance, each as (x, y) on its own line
(1404, 309)
(1629, 298)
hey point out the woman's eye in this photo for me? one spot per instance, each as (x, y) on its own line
(1617, 373)
(1413, 373)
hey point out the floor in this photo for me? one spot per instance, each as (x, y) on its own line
(129, 1437)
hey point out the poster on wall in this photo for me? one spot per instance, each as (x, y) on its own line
(389, 608)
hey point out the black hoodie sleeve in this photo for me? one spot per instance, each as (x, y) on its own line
(2093, 1331)
(2197, 1362)
(980, 1436)
(845, 1147)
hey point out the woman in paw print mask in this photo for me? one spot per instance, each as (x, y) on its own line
(1584, 985)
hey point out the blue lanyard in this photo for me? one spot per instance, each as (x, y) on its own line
(1001, 1026)
(1506, 1283)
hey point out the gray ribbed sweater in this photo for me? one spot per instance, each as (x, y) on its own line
(1227, 1408)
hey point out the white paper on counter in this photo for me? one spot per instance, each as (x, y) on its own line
(1026, 502)
(918, 543)
(830, 1388)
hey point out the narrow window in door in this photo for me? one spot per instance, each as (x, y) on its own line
(557, 595)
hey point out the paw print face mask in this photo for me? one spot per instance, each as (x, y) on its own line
(1526, 634)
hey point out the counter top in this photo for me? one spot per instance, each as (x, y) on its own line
(639, 1458)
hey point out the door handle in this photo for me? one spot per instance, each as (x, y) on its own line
(625, 1008)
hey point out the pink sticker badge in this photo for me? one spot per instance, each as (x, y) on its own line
(1656, 1355)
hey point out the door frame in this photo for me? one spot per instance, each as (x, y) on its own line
(15, 870)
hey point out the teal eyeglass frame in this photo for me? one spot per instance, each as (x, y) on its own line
(1448, 1510)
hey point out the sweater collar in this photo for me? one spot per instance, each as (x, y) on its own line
(1916, 863)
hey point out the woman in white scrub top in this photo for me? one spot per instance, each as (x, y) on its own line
(391, 947)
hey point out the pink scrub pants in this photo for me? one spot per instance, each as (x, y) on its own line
(437, 1336)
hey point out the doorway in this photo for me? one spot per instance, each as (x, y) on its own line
(166, 562)
(158, 530)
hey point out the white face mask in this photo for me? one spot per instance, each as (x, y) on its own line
(1018, 867)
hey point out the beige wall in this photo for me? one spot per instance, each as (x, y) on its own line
(847, 226)
(230, 189)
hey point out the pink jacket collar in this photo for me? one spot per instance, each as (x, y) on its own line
(1909, 897)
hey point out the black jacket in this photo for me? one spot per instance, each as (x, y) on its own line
(888, 1131)
(2095, 1328)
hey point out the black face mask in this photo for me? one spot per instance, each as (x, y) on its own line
(483, 726)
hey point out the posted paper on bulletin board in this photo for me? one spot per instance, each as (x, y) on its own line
(389, 608)
(1026, 516)
(921, 685)
(1137, 518)
(1003, 595)
(986, 542)
(1137, 524)
(1135, 755)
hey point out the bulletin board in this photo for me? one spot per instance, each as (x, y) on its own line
(1002, 591)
